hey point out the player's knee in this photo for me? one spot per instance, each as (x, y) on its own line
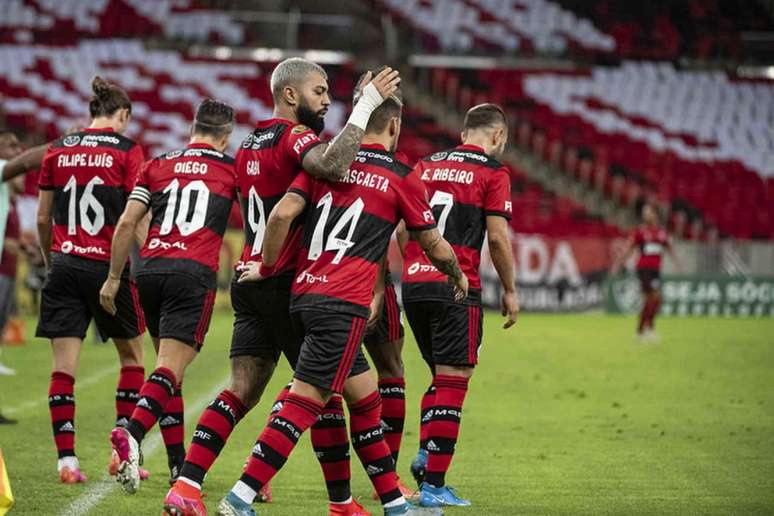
(390, 367)
(130, 352)
(453, 370)
(249, 376)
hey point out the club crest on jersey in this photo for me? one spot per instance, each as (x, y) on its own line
(438, 156)
(71, 141)
(299, 129)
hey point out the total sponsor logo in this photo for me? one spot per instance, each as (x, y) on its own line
(311, 279)
(68, 247)
(156, 243)
(420, 267)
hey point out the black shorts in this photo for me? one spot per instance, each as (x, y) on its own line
(389, 327)
(70, 300)
(447, 333)
(330, 350)
(262, 324)
(650, 280)
(176, 306)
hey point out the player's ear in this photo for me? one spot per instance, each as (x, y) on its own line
(223, 143)
(463, 134)
(291, 95)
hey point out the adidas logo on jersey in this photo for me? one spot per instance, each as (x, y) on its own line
(169, 421)
(143, 403)
(431, 446)
(67, 427)
(372, 470)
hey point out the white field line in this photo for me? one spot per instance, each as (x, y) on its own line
(79, 384)
(105, 485)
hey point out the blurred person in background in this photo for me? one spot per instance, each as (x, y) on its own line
(651, 240)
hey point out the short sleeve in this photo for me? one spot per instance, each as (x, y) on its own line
(302, 185)
(299, 141)
(413, 205)
(141, 191)
(134, 162)
(46, 178)
(498, 199)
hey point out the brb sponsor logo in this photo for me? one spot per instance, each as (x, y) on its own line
(310, 279)
(156, 243)
(68, 247)
(420, 267)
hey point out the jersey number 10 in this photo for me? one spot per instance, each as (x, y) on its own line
(187, 221)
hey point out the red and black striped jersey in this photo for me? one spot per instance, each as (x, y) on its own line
(651, 241)
(189, 193)
(347, 228)
(91, 173)
(465, 186)
(267, 162)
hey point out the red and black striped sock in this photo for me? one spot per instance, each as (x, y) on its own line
(172, 427)
(278, 439)
(444, 427)
(61, 404)
(330, 441)
(212, 431)
(279, 401)
(154, 396)
(128, 392)
(371, 448)
(428, 399)
(393, 393)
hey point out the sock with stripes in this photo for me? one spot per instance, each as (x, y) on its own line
(428, 399)
(130, 382)
(212, 431)
(275, 444)
(154, 396)
(444, 426)
(368, 441)
(61, 404)
(331, 445)
(393, 393)
(172, 427)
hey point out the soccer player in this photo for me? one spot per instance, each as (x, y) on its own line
(85, 179)
(651, 240)
(267, 162)
(188, 194)
(347, 229)
(470, 192)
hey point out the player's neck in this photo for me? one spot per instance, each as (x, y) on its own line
(102, 123)
(203, 140)
(378, 139)
(478, 142)
(286, 113)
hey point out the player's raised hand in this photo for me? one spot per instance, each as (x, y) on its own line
(385, 82)
(250, 271)
(107, 295)
(509, 308)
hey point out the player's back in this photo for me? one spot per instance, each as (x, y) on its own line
(652, 241)
(91, 173)
(465, 185)
(347, 229)
(266, 163)
(190, 192)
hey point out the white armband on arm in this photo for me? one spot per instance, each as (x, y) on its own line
(369, 100)
(140, 194)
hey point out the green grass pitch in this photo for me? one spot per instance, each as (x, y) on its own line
(566, 415)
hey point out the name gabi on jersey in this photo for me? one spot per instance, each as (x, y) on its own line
(83, 159)
(451, 175)
(363, 178)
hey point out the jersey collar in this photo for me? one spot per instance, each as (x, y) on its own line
(469, 147)
(200, 146)
(99, 130)
(373, 146)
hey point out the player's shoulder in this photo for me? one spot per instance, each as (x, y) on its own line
(90, 139)
(268, 133)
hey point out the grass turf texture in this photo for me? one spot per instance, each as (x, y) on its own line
(566, 415)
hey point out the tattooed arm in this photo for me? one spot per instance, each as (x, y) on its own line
(330, 161)
(441, 255)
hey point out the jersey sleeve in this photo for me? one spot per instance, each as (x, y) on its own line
(498, 194)
(141, 191)
(134, 163)
(302, 185)
(299, 141)
(638, 237)
(413, 205)
(46, 178)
